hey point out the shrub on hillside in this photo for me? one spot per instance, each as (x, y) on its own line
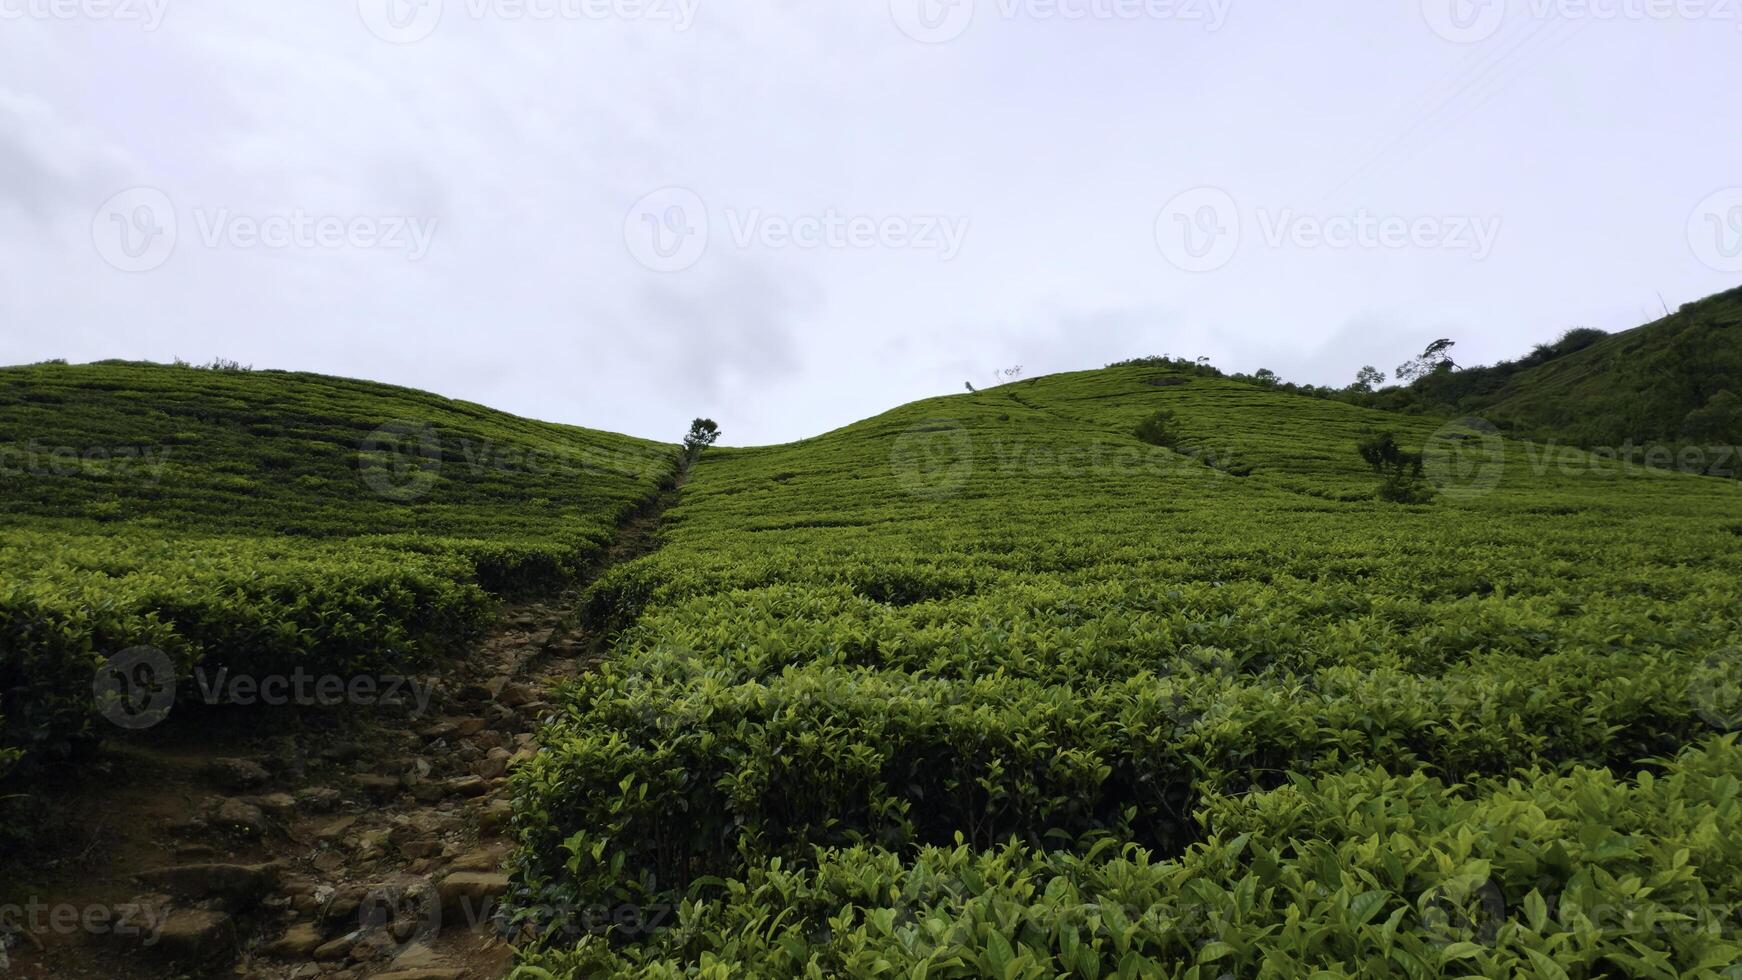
(1158, 430)
(1400, 472)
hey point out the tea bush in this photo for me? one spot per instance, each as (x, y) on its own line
(1000, 634)
(263, 521)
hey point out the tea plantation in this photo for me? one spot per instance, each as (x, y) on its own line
(269, 519)
(986, 686)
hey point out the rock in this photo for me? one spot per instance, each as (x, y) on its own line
(482, 859)
(515, 695)
(417, 956)
(238, 884)
(495, 817)
(467, 786)
(320, 799)
(371, 844)
(470, 726)
(416, 771)
(344, 903)
(335, 829)
(237, 773)
(299, 942)
(436, 731)
(338, 949)
(196, 934)
(328, 861)
(431, 973)
(279, 805)
(490, 767)
(343, 751)
(469, 896)
(238, 817)
(377, 786)
(421, 848)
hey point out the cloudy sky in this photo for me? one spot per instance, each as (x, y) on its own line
(786, 215)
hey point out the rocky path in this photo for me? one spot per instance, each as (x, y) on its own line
(297, 842)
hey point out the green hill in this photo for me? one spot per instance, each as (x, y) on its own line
(986, 686)
(272, 518)
(1676, 382)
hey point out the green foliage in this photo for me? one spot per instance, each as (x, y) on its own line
(262, 520)
(1401, 479)
(861, 666)
(1363, 874)
(1157, 429)
(702, 434)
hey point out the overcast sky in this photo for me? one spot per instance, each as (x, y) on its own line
(788, 216)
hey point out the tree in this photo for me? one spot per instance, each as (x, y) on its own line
(1007, 375)
(1368, 378)
(1718, 421)
(1400, 471)
(1266, 377)
(1435, 358)
(702, 434)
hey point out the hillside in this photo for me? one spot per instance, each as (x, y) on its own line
(985, 686)
(1662, 383)
(267, 517)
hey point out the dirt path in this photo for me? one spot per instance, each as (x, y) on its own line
(292, 842)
